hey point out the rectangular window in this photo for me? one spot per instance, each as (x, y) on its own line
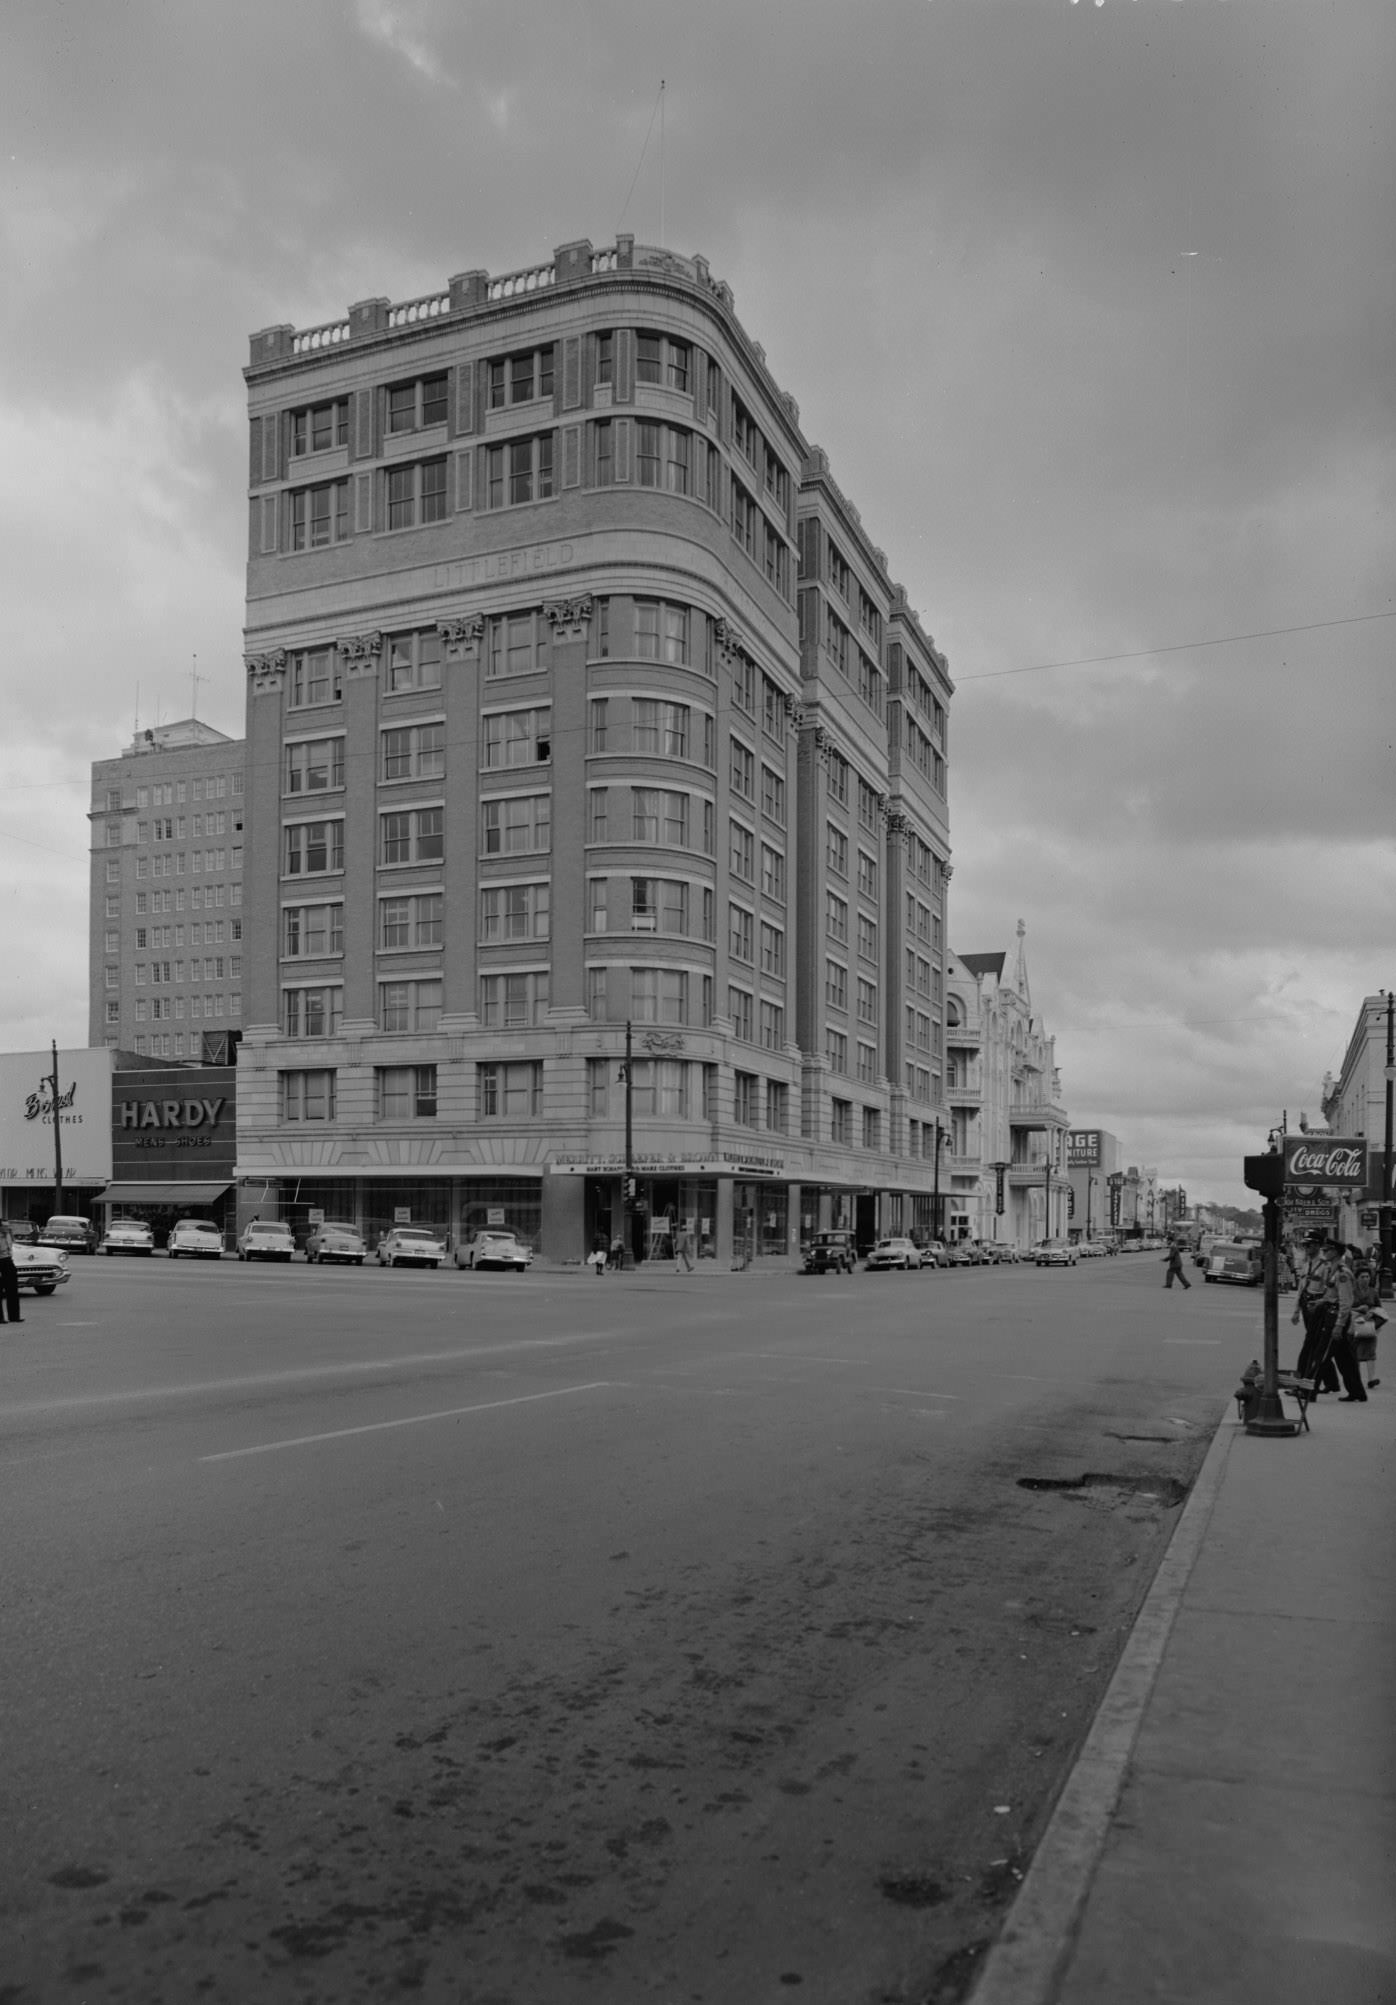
(596, 724)
(411, 922)
(741, 1009)
(514, 912)
(659, 816)
(772, 1019)
(516, 644)
(772, 873)
(658, 727)
(312, 765)
(319, 515)
(404, 1092)
(872, 1128)
(518, 737)
(662, 631)
(312, 1012)
(514, 1001)
(413, 752)
(836, 1050)
(414, 835)
(772, 796)
(520, 378)
(836, 851)
(835, 916)
(414, 406)
(867, 937)
(743, 771)
(414, 660)
(417, 493)
(410, 1005)
(867, 874)
(319, 428)
(517, 825)
(743, 863)
(745, 1091)
(312, 676)
(741, 933)
(520, 471)
(307, 1096)
(777, 1107)
(867, 1001)
(510, 1092)
(313, 847)
(597, 817)
(836, 984)
(308, 931)
(772, 950)
(867, 1063)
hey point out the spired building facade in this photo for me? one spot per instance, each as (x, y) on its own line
(1008, 1160)
(579, 698)
(165, 902)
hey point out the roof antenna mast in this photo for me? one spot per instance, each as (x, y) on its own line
(661, 163)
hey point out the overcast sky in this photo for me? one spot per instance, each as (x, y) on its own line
(1090, 305)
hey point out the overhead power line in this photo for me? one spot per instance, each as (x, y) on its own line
(1173, 647)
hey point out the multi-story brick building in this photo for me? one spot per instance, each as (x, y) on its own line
(578, 696)
(165, 908)
(1006, 1160)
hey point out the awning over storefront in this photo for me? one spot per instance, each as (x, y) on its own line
(167, 1193)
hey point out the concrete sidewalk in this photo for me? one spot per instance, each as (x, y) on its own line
(1228, 1834)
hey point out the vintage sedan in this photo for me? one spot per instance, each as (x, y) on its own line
(1054, 1253)
(411, 1246)
(1237, 1260)
(195, 1239)
(41, 1268)
(494, 1249)
(329, 1241)
(127, 1235)
(68, 1231)
(896, 1252)
(267, 1239)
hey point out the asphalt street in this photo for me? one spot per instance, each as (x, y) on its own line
(510, 1639)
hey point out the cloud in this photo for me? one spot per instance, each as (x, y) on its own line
(398, 27)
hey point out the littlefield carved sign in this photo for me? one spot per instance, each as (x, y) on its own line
(1336, 1161)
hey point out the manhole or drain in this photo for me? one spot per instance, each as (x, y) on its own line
(1166, 1490)
(912, 1890)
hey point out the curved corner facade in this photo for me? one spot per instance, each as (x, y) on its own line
(577, 698)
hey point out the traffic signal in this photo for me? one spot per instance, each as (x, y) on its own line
(631, 1188)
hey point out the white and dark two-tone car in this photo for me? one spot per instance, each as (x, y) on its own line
(411, 1246)
(40, 1268)
(127, 1235)
(494, 1249)
(195, 1239)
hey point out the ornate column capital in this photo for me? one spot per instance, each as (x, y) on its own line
(461, 635)
(729, 640)
(267, 672)
(359, 653)
(568, 618)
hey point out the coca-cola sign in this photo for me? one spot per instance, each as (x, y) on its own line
(1339, 1160)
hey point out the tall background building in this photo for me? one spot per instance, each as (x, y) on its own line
(165, 906)
(579, 697)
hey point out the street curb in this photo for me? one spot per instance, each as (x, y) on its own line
(1026, 1964)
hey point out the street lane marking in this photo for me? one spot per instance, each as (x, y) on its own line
(802, 1358)
(1192, 1340)
(913, 1391)
(408, 1420)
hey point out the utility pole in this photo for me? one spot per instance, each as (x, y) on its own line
(59, 1131)
(627, 1256)
(935, 1187)
(1384, 1283)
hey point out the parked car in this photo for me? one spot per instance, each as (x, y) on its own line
(830, 1253)
(932, 1252)
(127, 1235)
(196, 1238)
(411, 1246)
(71, 1233)
(1236, 1260)
(957, 1255)
(266, 1239)
(1054, 1253)
(329, 1241)
(898, 1252)
(41, 1268)
(1090, 1249)
(494, 1249)
(23, 1231)
(980, 1252)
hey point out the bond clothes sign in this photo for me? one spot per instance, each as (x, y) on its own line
(1083, 1149)
(1337, 1162)
(82, 1110)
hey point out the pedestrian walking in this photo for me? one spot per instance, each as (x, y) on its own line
(9, 1275)
(1367, 1318)
(1317, 1304)
(1174, 1258)
(683, 1250)
(1343, 1351)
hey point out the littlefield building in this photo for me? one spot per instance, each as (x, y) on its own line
(578, 697)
